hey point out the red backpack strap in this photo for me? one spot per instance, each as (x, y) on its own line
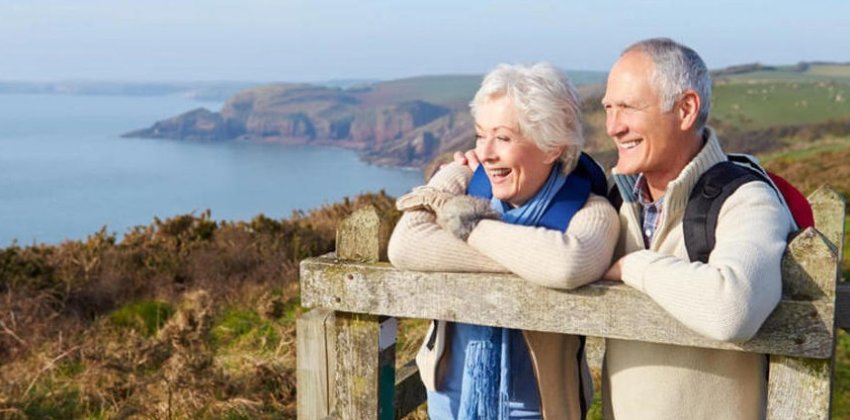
(796, 201)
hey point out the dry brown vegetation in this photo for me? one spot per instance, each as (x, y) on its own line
(186, 317)
(189, 317)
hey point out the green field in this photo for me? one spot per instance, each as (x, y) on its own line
(757, 105)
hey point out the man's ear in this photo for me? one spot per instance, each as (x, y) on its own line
(688, 109)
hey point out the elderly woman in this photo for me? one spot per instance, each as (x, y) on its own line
(534, 206)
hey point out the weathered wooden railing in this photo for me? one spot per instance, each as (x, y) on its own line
(346, 346)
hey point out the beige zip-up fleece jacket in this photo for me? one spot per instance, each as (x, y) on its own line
(545, 257)
(727, 299)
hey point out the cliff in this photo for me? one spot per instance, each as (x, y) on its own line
(369, 119)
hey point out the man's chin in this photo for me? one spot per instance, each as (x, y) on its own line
(623, 169)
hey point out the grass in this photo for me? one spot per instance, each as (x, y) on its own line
(184, 318)
(800, 150)
(768, 104)
(243, 329)
(146, 316)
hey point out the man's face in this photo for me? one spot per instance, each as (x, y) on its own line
(645, 135)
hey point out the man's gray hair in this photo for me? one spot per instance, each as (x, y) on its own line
(677, 69)
(546, 103)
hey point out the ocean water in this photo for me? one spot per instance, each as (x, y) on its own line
(65, 172)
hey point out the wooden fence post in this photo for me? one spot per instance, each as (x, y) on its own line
(316, 361)
(365, 357)
(800, 388)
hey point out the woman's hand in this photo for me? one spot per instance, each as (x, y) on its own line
(423, 198)
(468, 158)
(460, 214)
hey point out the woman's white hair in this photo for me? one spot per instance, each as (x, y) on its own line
(677, 69)
(546, 103)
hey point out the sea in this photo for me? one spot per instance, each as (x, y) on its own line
(66, 172)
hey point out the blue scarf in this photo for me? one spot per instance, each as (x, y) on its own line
(485, 393)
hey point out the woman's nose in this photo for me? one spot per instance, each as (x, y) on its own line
(484, 149)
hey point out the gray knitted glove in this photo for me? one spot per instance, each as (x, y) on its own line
(460, 214)
(423, 198)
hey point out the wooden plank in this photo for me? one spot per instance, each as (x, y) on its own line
(829, 210)
(799, 388)
(362, 236)
(365, 358)
(594, 350)
(409, 390)
(365, 375)
(604, 309)
(809, 268)
(842, 306)
(315, 361)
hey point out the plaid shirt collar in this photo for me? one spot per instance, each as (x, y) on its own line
(650, 210)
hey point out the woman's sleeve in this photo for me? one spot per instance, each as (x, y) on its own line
(418, 243)
(563, 260)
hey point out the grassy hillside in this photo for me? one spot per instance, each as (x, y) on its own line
(804, 72)
(767, 104)
(190, 318)
(184, 318)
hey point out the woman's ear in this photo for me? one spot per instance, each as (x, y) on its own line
(688, 109)
(553, 155)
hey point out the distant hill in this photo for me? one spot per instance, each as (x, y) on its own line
(409, 122)
(207, 91)
(404, 122)
(760, 109)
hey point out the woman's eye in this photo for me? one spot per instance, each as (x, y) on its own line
(478, 137)
(503, 138)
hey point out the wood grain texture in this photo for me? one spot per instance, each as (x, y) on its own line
(798, 328)
(357, 372)
(798, 388)
(362, 236)
(315, 346)
(829, 209)
(809, 267)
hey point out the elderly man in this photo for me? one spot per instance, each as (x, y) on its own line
(657, 103)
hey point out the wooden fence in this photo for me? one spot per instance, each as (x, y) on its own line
(346, 345)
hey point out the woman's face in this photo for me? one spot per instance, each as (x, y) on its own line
(517, 168)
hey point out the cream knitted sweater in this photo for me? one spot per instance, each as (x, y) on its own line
(550, 258)
(547, 257)
(726, 299)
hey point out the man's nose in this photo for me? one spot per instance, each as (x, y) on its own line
(614, 125)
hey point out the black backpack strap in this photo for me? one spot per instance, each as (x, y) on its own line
(710, 192)
(614, 197)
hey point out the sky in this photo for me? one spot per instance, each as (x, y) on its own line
(321, 40)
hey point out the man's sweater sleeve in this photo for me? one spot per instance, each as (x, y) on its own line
(729, 297)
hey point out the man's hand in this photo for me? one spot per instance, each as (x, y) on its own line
(468, 158)
(615, 273)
